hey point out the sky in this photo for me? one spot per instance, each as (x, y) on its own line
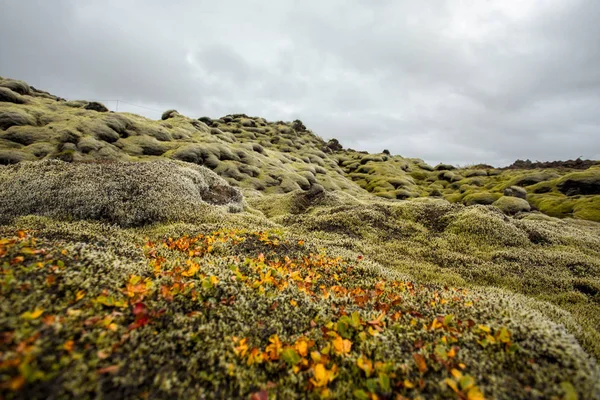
(453, 81)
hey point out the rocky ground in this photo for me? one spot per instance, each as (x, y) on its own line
(243, 258)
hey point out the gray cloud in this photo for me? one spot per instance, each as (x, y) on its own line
(460, 82)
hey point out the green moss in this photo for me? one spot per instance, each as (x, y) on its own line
(512, 205)
(484, 198)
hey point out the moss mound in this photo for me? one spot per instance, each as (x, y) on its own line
(127, 194)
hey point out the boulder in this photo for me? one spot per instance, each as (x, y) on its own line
(512, 205)
(95, 106)
(515, 191)
(580, 183)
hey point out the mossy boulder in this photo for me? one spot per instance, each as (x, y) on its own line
(16, 86)
(444, 167)
(484, 198)
(515, 191)
(15, 118)
(533, 178)
(96, 106)
(580, 183)
(169, 114)
(512, 205)
(9, 96)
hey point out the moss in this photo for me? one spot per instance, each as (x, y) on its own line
(444, 167)
(9, 96)
(512, 205)
(128, 194)
(580, 183)
(484, 198)
(533, 178)
(475, 172)
(16, 86)
(8, 157)
(27, 135)
(15, 118)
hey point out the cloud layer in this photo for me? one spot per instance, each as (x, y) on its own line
(447, 81)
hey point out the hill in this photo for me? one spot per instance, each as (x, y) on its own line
(238, 257)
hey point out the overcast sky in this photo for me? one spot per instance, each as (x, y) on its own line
(458, 81)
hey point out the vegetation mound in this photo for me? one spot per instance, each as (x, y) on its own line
(122, 193)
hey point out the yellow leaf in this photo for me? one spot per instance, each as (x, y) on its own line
(366, 365)
(316, 356)
(451, 384)
(456, 373)
(475, 394)
(342, 346)
(214, 280)
(274, 349)
(322, 376)
(484, 328)
(35, 314)
(408, 384)
(294, 303)
(191, 270)
(302, 347)
(79, 295)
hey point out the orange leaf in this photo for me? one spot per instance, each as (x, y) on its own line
(420, 361)
(108, 370)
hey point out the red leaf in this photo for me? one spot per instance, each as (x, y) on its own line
(139, 308)
(262, 395)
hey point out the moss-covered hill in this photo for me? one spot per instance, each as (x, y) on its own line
(288, 268)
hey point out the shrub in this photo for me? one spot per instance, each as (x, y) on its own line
(123, 193)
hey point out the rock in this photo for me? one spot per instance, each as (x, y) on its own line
(16, 86)
(444, 167)
(334, 145)
(95, 106)
(13, 118)
(169, 114)
(208, 121)
(484, 198)
(248, 123)
(8, 96)
(515, 191)
(580, 183)
(512, 205)
(298, 126)
(532, 179)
